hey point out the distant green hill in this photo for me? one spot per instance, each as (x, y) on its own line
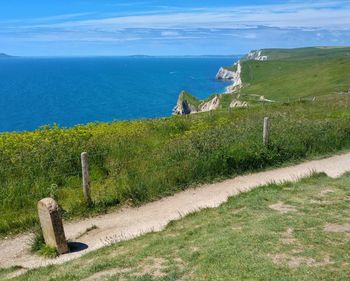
(306, 53)
(282, 75)
(297, 73)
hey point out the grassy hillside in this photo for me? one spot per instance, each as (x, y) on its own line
(248, 238)
(292, 74)
(138, 161)
(306, 53)
(281, 80)
(190, 99)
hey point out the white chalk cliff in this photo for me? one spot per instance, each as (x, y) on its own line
(238, 104)
(210, 105)
(235, 76)
(256, 55)
(188, 104)
(183, 107)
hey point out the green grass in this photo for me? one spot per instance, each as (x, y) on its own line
(292, 74)
(38, 246)
(281, 80)
(140, 161)
(244, 239)
(306, 53)
(190, 99)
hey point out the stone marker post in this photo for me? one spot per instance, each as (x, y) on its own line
(51, 225)
(85, 175)
(266, 132)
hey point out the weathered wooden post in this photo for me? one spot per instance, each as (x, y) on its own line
(266, 132)
(51, 225)
(85, 176)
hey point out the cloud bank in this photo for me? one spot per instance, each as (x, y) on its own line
(234, 28)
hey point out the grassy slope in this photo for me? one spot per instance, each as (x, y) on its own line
(190, 99)
(244, 239)
(283, 79)
(290, 74)
(307, 53)
(140, 161)
(298, 73)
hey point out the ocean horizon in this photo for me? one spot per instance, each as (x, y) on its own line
(35, 92)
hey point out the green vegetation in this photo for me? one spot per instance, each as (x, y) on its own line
(294, 231)
(38, 246)
(306, 53)
(140, 161)
(185, 96)
(281, 80)
(291, 74)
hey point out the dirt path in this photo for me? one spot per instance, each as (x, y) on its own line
(130, 222)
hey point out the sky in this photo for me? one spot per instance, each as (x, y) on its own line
(168, 27)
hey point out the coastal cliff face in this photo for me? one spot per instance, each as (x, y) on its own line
(188, 104)
(184, 106)
(210, 105)
(225, 74)
(256, 55)
(235, 76)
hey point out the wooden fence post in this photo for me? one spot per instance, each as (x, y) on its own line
(266, 132)
(85, 176)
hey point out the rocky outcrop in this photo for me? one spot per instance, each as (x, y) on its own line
(225, 74)
(188, 104)
(256, 55)
(183, 106)
(210, 105)
(238, 104)
(263, 99)
(235, 76)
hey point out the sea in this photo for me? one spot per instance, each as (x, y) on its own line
(68, 91)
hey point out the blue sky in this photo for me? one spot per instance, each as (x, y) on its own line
(164, 27)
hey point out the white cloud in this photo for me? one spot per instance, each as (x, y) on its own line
(327, 18)
(326, 14)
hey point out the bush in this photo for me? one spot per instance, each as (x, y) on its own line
(139, 161)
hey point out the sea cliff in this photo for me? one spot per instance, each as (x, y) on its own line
(188, 104)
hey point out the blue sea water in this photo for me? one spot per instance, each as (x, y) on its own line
(69, 91)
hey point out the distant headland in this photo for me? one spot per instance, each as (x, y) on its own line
(3, 55)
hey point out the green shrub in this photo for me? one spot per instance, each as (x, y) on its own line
(139, 161)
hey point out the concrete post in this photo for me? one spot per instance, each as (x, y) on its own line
(85, 176)
(266, 132)
(51, 225)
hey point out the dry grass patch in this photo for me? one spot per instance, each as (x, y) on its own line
(282, 208)
(106, 274)
(155, 267)
(337, 227)
(296, 261)
(288, 238)
(326, 192)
